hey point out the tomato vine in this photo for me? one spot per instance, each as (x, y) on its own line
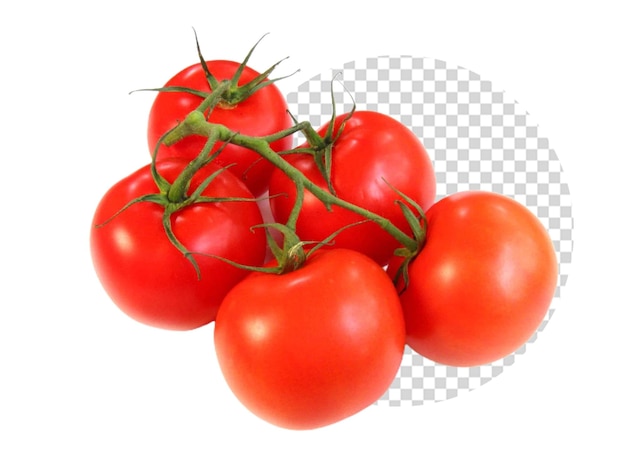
(226, 93)
(196, 124)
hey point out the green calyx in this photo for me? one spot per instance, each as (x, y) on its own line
(233, 92)
(176, 196)
(416, 219)
(321, 147)
(226, 93)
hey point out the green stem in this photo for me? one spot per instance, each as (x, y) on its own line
(178, 190)
(297, 206)
(312, 137)
(196, 124)
(217, 95)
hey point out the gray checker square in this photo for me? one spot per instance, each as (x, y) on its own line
(478, 137)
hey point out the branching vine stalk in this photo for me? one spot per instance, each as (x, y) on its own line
(174, 196)
(196, 124)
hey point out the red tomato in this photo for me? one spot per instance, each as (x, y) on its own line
(483, 282)
(146, 276)
(262, 113)
(308, 348)
(373, 152)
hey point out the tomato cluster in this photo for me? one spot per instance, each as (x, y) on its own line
(363, 260)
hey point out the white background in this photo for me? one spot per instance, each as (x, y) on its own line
(84, 387)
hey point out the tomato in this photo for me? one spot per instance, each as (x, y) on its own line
(313, 346)
(263, 113)
(146, 275)
(483, 282)
(373, 153)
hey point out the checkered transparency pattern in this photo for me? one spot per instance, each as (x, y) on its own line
(478, 137)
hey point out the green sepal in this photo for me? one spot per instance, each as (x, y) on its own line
(323, 156)
(160, 199)
(176, 89)
(417, 224)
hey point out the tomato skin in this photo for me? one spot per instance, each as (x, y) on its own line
(146, 276)
(373, 152)
(483, 282)
(262, 113)
(309, 348)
